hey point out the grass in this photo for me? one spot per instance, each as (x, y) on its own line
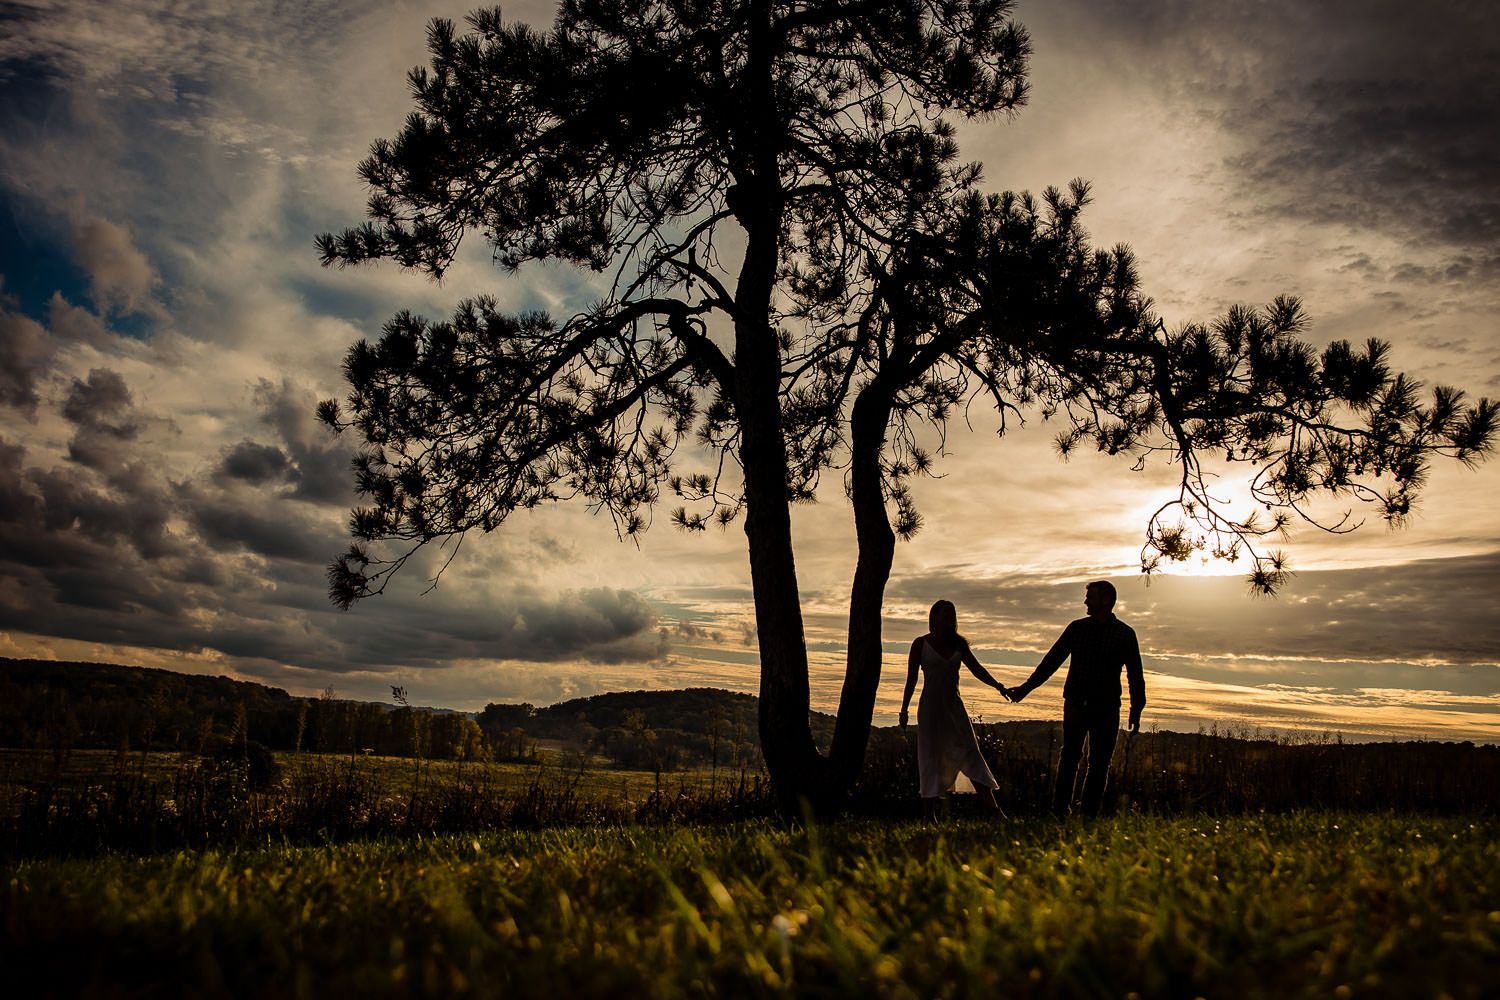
(1300, 904)
(97, 801)
(149, 874)
(400, 775)
(404, 776)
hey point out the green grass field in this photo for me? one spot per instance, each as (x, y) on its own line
(1302, 904)
(95, 801)
(399, 775)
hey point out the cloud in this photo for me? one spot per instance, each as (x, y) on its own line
(1426, 611)
(164, 53)
(171, 116)
(70, 504)
(111, 542)
(1378, 115)
(192, 567)
(72, 326)
(235, 523)
(101, 409)
(104, 395)
(120, 277)
(319, 462)
(610, 623)
(15, 500)
(26, 350)
(256, 464)
(1425, 625)
(30, 348)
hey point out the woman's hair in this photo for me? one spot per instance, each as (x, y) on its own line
(950, 635)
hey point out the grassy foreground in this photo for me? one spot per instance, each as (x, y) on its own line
(1272, 905)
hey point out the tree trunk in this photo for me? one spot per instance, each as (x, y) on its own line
(792, 758)
(877, 545)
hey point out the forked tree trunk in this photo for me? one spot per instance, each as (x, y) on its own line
(802, 777)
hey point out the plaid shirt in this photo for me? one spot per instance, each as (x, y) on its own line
(1100, 645)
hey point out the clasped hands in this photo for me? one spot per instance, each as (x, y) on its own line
(1012, 695)
(1015, 694)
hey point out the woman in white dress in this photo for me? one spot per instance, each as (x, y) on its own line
(946, 745)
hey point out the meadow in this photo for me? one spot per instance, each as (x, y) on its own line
(1299, 904)
(141, 873)
(83, 801)
(89, 802)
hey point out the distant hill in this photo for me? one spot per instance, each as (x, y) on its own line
(62, 705)
(661, 730)
(56, 704)
(111, 681)
(46, 702)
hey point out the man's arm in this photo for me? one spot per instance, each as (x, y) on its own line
(1135, 675)
(1060, 651)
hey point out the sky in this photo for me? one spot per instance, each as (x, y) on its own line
(167, 498)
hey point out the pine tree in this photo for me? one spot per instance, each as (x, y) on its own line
(799, 273)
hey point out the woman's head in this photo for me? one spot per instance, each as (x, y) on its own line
(943, 619)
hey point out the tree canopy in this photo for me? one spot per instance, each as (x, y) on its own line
(799, 274)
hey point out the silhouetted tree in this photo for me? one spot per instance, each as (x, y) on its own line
(801, 274)
(408, 717)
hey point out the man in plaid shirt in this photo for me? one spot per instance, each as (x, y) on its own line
(1100, 644)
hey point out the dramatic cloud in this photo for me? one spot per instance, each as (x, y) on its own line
(319, 463)
(25, 352)
(120, 277)
(256, 464)
(106, 543)
(94, 402)
(1426, 613)
(101, 409)
(1384, 116)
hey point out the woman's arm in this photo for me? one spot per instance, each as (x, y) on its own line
(977, 669)
(913, 666)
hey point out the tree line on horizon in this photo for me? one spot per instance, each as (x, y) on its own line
(217, 782)
(48, 703)
(60, 706)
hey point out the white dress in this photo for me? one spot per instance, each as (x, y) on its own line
(945, 739)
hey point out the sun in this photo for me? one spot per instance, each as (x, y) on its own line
(1205, 566)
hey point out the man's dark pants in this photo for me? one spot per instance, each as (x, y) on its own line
(1100, 723)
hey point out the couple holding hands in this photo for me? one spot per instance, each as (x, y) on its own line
(1099, 644)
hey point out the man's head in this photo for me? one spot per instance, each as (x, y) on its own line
(1099, 597)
